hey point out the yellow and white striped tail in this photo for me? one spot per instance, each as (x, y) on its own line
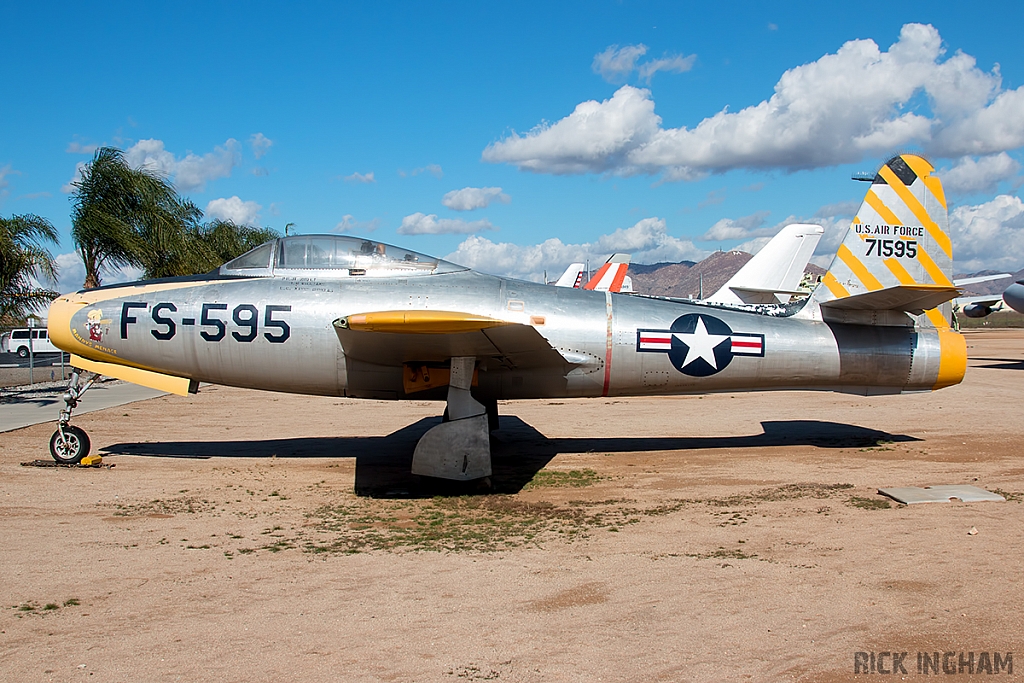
(899, 242)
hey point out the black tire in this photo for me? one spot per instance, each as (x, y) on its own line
(72, 447)
(22, 352)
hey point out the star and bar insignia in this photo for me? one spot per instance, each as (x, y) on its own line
(699, 345)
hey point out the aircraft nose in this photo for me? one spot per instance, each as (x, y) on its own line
(58, 322)
(1014, 297)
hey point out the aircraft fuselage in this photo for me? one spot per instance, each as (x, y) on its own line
(278, 333)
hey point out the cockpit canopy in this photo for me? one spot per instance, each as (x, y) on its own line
(334, 256)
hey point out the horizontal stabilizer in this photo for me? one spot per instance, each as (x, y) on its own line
(907, 298)
(763, 290)
(147, 378)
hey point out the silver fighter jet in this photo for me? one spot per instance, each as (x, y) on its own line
(344, 316)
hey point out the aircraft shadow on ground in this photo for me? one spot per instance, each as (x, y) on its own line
(42, 396)
(1001, 363)
(518, 451)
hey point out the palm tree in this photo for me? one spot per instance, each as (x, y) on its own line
(23, 261)
(225, 240)
(124, 216)
(200, 248)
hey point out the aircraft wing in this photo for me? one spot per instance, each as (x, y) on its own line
(986, 300)
(397, 337)
(964, 281)
(981, 305)
(770, 290)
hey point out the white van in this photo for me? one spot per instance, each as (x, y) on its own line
(17, 342)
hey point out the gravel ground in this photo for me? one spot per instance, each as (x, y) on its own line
(246, 536)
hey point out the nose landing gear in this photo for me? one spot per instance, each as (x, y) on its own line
(69, 444)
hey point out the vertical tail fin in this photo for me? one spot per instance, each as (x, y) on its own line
(774, 273)
(899, 242)
(572, 277)
(611, 275)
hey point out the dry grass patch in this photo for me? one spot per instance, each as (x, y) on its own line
(465, 523)
(170, 506)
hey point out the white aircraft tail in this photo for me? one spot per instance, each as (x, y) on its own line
(572, 277)
(774, 273)
(611, 275)
(897, 255)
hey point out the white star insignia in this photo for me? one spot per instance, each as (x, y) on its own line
(700, 344)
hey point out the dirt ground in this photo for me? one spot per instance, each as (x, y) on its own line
(245, 536)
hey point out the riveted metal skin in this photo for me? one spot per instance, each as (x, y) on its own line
(592, 339)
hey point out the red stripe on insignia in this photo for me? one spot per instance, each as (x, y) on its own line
(747, 345)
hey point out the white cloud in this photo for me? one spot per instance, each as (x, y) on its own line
(993, 128)
(988, 235)
(754, 230)
(69, 187)
(714, 197)
(360, 178)
(855, 102)
(349, 224)
(596, 137)
(78, 148)
(615, 64)
(970, 176)
(648, 241)
(836, 220)
(433, 169)
(469, 198)
(71, 273)
(192, 171)
(739, 228)
(752, 246)
(847, 209)
(261, 144)
(422, 224)
(5, 171)
(234, 209)
(675, 64)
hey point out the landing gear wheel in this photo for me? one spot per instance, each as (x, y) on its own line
(70, 447)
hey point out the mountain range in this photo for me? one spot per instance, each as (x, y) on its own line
(688, 279)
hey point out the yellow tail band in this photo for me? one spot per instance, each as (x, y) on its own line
(952, 359)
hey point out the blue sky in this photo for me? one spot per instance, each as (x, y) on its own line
(363, 117)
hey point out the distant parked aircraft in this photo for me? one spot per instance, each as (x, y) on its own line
(774, 273)
(611, 277)
(985, 304)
